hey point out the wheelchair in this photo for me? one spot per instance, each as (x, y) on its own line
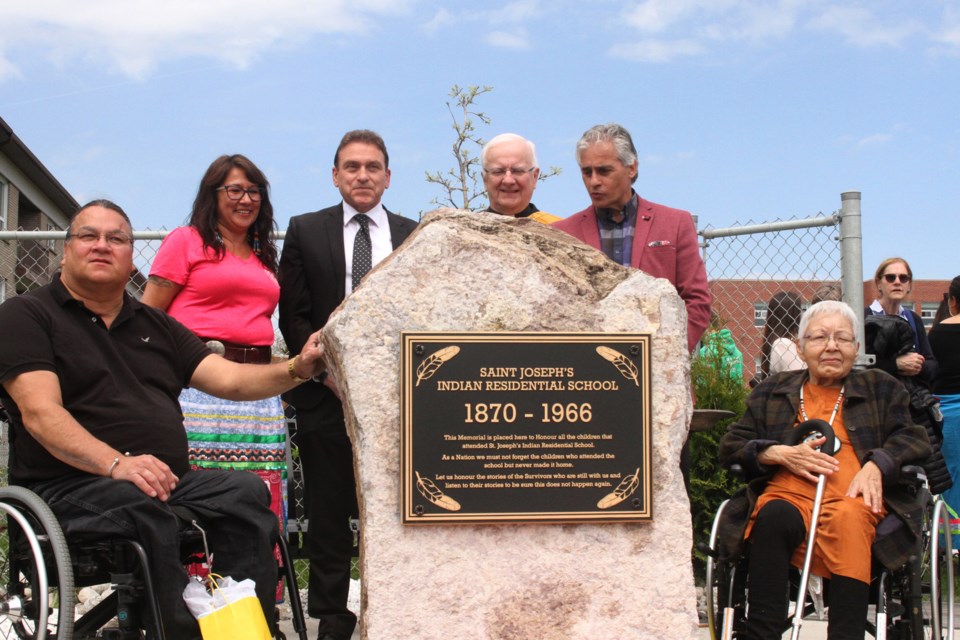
(41, 572)
(916, 602)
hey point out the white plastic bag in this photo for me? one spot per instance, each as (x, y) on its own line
(200, 601)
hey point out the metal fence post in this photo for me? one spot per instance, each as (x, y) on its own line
(851, 260)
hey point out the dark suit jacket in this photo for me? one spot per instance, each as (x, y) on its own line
(676, 257)
(312, 284)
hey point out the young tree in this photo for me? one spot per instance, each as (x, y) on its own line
(462, 185)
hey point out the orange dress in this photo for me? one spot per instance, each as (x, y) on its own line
(846, 527)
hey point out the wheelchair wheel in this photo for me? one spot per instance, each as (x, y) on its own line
(37, 597)
(937, 573)
(724, 594)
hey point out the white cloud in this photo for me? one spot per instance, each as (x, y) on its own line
(133, 36)
(656, 50)
(517, 39)
(862, 28)
(698, 27)
(441, 20)
(874, 140)
(514, 12)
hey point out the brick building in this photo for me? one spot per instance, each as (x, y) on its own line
(30, 199)
(742, 307)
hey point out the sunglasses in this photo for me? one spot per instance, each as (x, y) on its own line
(892, 277)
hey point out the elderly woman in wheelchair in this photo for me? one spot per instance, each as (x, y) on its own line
(771, 517)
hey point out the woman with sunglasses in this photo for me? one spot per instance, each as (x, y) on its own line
(893, 280)
(217, 276)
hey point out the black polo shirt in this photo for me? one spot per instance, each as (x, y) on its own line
(122, 384)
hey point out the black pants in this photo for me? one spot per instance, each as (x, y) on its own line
(234, 507)
(777, 532)
(330, 501)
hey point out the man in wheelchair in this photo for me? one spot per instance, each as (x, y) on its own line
(869, 413)
(91, 379)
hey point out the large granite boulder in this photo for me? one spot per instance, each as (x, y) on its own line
(463, 271)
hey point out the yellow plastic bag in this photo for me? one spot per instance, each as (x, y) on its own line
(230, 610)
(238, 620)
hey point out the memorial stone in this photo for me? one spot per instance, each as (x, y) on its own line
(479, 272)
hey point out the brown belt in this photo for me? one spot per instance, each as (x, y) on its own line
(242, 353)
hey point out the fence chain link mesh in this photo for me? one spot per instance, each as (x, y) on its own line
(762, 280)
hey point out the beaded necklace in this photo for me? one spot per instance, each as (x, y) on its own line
(836, 407)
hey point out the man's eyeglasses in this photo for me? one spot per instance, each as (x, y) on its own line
(821, 339)
(114, 238)
(235, 192)
(892, 277)
(500, 172)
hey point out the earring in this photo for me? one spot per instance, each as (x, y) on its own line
(256, 242)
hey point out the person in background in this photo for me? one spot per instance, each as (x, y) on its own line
(943, 312)
(719, 348)
(893, 280)
(510, 175)
(635, 232)
(217, 276)
(325, 255)
(779, 352)
(896, 337)
(945, 344)
(827, 291)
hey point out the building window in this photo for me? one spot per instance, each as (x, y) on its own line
(3, 204)
(759, 314)
(927, 311)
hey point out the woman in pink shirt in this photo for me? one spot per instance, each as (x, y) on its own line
(217, 276)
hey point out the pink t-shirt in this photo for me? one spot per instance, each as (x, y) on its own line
(229, 299)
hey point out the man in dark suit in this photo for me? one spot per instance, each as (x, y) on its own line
(635, 232)
(325, 254)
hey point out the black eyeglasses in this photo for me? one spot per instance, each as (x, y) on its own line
(235, 192)
(892, 277)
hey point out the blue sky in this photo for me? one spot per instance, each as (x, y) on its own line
(741, 110)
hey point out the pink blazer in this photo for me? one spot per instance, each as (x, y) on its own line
(665, 246)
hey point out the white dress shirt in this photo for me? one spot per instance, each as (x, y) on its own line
(380, 242)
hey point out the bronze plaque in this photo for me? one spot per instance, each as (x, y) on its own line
(525, 427)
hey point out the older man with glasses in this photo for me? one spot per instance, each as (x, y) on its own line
(510, 175)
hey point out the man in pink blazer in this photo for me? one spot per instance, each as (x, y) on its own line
(635, 232)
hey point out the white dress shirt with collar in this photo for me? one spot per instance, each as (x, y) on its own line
(380, 242)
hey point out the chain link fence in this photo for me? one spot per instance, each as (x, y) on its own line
(762, 281)
(762, 276)
(30, 259)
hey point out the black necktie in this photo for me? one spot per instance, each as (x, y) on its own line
(362, 253)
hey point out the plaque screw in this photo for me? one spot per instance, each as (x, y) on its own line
(419, 508)
(634, 350)
(418, 349)
(636, 503)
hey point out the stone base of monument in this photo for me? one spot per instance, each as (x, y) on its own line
(474, 272)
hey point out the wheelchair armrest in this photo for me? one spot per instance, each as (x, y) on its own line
(913, 477)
